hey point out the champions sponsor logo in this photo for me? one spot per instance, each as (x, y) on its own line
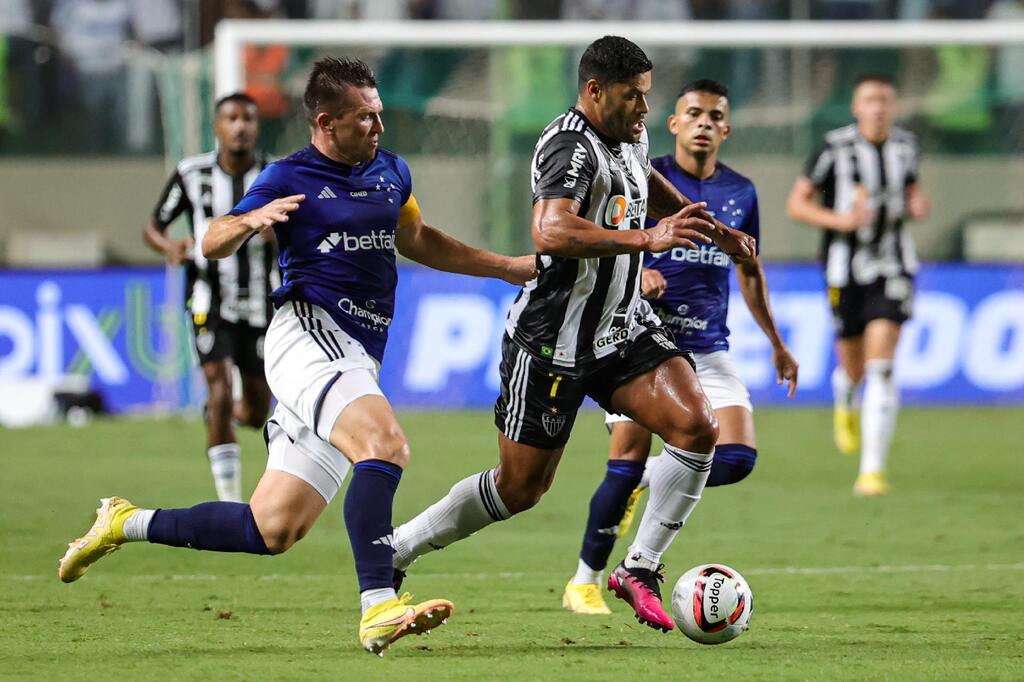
(680, 320)
(579, 157)
(376, 240)
(366, 316)
(620, 209)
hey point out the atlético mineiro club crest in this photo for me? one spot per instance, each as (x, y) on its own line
(553, 423)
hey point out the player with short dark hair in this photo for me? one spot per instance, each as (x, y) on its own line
(866, 177)
(229, 300)
(340, 209)
(689, 290)
(580, 328)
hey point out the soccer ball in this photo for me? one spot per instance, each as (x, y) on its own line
(712, 604)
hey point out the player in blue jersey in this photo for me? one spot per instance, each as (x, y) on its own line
(340, 209)
(689, 290)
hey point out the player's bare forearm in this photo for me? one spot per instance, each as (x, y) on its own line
(224, 236)
(664, 199)
(155, 238)
(558, 231)
(431, 247)
(803, 207)
(754, 287)
(227, 233)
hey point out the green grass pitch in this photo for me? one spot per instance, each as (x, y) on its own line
(924, 584)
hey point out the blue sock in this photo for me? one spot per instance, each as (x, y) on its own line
(606, 509)
(732, 463)
(368, 520)
(214, 526)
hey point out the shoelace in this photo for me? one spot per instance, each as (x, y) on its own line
(649, 579)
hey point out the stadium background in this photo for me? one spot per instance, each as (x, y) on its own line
(95, 112)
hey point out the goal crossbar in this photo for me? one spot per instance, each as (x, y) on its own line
(232, 35)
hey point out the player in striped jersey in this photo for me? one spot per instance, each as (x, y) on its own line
(581, 329)
(228, 300)
(689, 290)
(866, 176)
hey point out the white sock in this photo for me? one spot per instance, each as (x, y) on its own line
(585, 575)
(226, 466)
(371, 598)
(878, 415)
(472, 503)
(844, 390)
(136, 526)
(677, 481)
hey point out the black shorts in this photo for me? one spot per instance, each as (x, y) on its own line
(854, 305)
(539, 400)
(217, 339)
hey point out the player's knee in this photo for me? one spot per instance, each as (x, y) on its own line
(695, 430)
(389, 444)
(522, 494)
(279, 534)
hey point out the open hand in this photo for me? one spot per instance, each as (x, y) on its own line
(684, 229)
(270, 214)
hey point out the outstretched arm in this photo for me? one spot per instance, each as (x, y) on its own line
(435, 249)
(227, 233)
(754, 287)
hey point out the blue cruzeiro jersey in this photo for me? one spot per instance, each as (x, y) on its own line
(337, 250)
(696, 302)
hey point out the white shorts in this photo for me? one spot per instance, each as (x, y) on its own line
(315, 370)
(719, 379)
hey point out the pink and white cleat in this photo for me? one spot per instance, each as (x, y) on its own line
(638, 587)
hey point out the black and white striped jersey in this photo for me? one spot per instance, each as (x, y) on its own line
(237, 288)
(846, 162)
(581, 309)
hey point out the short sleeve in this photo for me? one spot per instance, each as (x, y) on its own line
(564, 167)
(173, 202)
(267, 186)
(820, 166)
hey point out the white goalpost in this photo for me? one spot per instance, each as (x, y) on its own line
(232, 35)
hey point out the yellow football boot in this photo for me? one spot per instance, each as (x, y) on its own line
(627, 517)
(872, 484)
(105, 536)
(846, 429)
(393, 619)
(585, 599)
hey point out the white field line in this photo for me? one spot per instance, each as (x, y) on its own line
(301, 577)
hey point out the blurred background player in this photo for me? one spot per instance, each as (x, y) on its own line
(689, 291)
(866, 177)
(341, 208)
(580, 328)
(229, 299)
